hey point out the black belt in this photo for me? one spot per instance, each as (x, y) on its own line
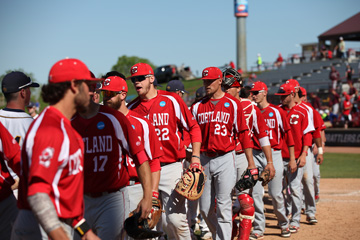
(213, 154)
(100, 194)
(162, 164)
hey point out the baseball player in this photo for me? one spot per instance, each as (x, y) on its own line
(9, 152)
(169, 115)
(114, 90)
(221, 119)
(279, 131)
(301, 129)
(51, 180)
(316, 164)
(308, 181)
(262, 157)
(108, 136)
(16, 89)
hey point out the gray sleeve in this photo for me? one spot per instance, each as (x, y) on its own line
(44, 211)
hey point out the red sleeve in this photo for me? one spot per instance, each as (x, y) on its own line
(10, 149)
(307, 140)
(289, 138)
(317, 124)
(244, 135)
(140, 158)
(155, 165)
(245, 140)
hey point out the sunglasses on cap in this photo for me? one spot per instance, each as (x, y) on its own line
(110, 94)
(139, 78)
(257, 92)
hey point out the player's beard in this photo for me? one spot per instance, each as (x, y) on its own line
(82, 99)
(113, 104)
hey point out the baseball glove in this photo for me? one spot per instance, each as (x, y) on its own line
(155, 214)
(247, 180)
(192, 182)
(230, 75)
(265, 177)
(139, 230)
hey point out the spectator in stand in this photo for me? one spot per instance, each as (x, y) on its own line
(329, 54)
(346, 110)
(241, 71)
(259, 62)
(340, 48)
(349, 72)
(315, 101)
(334, 101)
(323, 52)
(334, 76)
(232, 65)
(279, 61)
(353, 92)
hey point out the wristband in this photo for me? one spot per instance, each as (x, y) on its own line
(320, 150)
(155, 194)
(269, 162)
(82, 227)
(195, 156)
(305, 152)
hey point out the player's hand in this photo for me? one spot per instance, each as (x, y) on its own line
(144, 206)
(90, 235)
(301, 161)
(319, 159)
(271, 168)
(16, 184)
(292, 166)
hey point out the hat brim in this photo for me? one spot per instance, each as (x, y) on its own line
(255, 90)
(282, 94)
(34, 85)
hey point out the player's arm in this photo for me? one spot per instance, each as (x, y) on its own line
(145, 177)
(307, 139)
(11, 150)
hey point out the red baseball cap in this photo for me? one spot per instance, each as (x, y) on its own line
(303, 91)
(286, 89)
(294, 82)
(69, 69)
(141, 69)
(258, 86)
(114, 84)
(211, 73)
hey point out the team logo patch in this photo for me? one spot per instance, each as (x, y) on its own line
(133, 126)
(271, 114)
(100, 125)
(46, 156)
(138, 143)
(162, 104)
(226, 104)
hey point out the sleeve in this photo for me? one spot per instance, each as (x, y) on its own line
(243, 130)
(10, 149)
(289, 138)
(260, 126)
(307, 140)
(192, 125)
(45, 159)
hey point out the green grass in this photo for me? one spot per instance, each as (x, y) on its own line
(340, 165)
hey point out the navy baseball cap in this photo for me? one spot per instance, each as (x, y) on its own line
(15, 81)
(156, 84)
(175, 85)
(200, 92)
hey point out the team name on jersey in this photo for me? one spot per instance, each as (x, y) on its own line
(98, 144)
(206, 117)
(160, 119)
(270, 123)
(75, 163)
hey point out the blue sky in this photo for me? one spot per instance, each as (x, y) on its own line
(199, 33)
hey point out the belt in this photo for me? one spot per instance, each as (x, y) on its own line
(100, 194)
(214, 154)
(162, 164)
(133, 181)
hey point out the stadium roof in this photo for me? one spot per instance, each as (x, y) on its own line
(348, 29)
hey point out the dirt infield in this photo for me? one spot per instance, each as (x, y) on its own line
(337, 212)
(342, 149)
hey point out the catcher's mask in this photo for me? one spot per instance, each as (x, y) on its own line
(232, 78)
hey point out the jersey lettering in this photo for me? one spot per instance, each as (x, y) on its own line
(99, 144)
(294, 119)
(220, 130)
(270, 123)
(160, 119)
(163, 134)
(206, 117)
(99, 164)
(75, 163)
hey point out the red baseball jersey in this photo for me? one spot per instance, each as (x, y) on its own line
(10, 152)
(108, 137)
(170, 116)
(221, 121)
(153, 148)
(52, 163)
(315, 118)
(279, 128)
(301, 129)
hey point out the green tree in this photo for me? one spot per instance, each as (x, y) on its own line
(124, 64)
